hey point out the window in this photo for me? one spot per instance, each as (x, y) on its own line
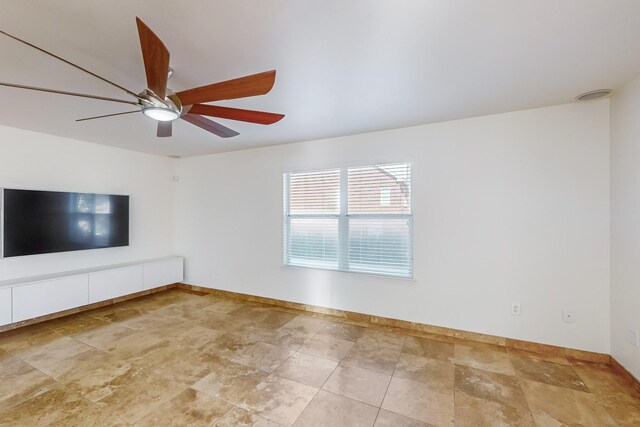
(350, 219)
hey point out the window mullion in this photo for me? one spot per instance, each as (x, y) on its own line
(343, 224)
(287, 221)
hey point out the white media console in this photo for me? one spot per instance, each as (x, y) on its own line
(30, 297)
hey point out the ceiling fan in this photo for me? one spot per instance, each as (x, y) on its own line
(163, 105)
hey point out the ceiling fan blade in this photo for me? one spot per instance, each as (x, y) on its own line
(259, 117)
(106, 115)
(209, 125)
(256, 84)
(156, 59)
(164, 129)
(63, 92)
(70, 63)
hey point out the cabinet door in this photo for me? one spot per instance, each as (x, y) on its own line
(37, 299)
(5, 306)
(163, 273)
(108, 284)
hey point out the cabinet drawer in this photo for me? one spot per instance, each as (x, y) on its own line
(163, 273)
(5, 306)
(104, 285)
(51, 296)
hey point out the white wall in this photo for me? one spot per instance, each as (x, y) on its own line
(625, 224)
(510, 207)
(37, 161)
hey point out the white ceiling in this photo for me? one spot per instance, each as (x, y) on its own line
(344, 67)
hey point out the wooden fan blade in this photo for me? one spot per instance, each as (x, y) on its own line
(210, 125)
(256, 84)
(164, 129)
(156, 59)
(107, 115)
(259, 117)
(64, 92)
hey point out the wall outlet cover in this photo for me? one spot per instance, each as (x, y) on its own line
(515, 309)
(632, 337)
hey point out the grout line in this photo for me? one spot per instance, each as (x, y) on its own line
(389, 385)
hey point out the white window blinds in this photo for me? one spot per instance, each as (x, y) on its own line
(350, 219)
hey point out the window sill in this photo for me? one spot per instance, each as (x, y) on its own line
(357, 273)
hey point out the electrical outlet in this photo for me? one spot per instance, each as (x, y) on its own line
(632, 335)
(568, 315)
(515, 308)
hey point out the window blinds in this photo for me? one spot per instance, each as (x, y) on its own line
(351, 219)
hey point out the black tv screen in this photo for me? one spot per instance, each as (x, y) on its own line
(40, 222)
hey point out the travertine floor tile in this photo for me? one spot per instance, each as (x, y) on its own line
(474, 412)
(226, 322)
(603, 380)
(21, 341)
(437, 374)
(623, 408)
(102, 337)
(279, 399)
(432, 349)
(180, 364)
(263, 356)
(136, 346)
(57, 406)
(169, 329)
(76, 324)
(95, 375)
(146, 321)
(415, 400)
(189, 408)
(287, 337)
(551, 405)
(143, 394)
(238, 417)
(220, 305)
(329, 410)
(486, 385)
(263, 315)
(122, 313)
(56, 357)
(376, 350)
(230, 381)
(381, 360)
(198, 336)
(306, 324)
(524, 354)
(307, 369)
(326, 346)
(390, 419)
(358, 384)
(379, 339)
(549, 373)
(343, 331)
(227, 345)
(483, 356)
(20, 381)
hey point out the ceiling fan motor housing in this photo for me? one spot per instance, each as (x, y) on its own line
(164, 110)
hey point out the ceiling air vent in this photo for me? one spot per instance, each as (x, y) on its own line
(594, 94)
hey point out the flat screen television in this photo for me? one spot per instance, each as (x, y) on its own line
(41, 222)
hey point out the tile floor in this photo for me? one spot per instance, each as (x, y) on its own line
(181, 359)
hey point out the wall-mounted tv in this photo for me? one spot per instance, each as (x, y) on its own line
(41, 222)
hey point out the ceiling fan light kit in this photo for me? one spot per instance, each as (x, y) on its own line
(161, 104)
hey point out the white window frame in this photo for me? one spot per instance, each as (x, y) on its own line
(343, 222)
